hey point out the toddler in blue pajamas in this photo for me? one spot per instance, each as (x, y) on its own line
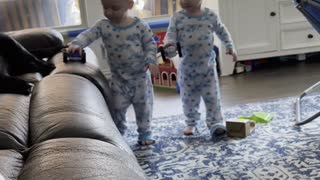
(193, 28)
(131, 53)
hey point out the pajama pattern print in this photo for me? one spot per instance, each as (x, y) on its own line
(197, 71)
(129, 50)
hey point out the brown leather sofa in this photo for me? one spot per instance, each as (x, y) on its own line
(64, 130)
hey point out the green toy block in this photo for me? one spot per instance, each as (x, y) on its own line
(258, 117)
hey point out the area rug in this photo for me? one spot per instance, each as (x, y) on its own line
(277, 150)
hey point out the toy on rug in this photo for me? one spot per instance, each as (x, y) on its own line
(239, 128)
(243, 126)
(258, 117)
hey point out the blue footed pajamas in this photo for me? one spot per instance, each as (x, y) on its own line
(140, 95)
(129, 50)
(197, 72)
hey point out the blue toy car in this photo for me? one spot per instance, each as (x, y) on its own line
(74, 57)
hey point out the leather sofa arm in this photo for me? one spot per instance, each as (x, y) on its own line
(90, 70)
(67, 105)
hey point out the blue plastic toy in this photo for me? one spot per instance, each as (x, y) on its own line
(74, 57)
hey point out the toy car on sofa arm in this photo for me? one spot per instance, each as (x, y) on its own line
(74, 57)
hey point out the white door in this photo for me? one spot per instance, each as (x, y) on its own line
(254, 25)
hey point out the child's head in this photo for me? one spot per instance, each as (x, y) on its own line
(190, 4)
(116, 10)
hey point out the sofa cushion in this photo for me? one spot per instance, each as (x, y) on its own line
(41, 42)
(14, 117)
(11, 163)
(66, 105)
(79, 158)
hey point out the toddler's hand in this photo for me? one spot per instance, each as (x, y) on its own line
(74, 49)
(170, 50)
(233, 54)
(154, 69)
(170, 44)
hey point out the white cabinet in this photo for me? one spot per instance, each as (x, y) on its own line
(264, 28)
(288, 13)
(249, 33)
(299, 37)
(295, 31)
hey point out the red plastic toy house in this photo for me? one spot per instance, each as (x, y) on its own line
(167, 77)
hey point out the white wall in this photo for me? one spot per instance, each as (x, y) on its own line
(94, 11)
(212, 4)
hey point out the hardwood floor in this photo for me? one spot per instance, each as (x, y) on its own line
(282, 79)
(278, 79)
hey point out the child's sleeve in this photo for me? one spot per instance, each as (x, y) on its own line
(171, 35)
(149, 45)
(222, 32)
(88, 36)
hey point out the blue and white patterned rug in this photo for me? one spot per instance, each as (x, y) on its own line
(277, 150)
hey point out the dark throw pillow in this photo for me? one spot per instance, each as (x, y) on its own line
(16, 60)
(41, 42)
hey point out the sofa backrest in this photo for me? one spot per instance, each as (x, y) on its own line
(65, 131)
(66, 105)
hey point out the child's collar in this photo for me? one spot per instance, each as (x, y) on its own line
(203, 10)
(135, 21)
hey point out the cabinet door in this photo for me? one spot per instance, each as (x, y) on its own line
(255, 25)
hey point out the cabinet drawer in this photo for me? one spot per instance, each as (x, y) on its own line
(289, 14)
(299, 38)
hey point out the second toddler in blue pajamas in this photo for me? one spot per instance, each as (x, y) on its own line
(131, 52)
(193, 28)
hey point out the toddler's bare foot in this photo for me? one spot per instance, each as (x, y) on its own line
(189, 130)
